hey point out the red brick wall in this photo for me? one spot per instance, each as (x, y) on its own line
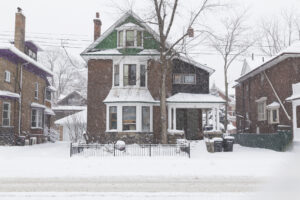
(99, 85)
(282, 76)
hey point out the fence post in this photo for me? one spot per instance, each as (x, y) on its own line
(150, 150)
(71, 149)
(189, 150)
(114, 150)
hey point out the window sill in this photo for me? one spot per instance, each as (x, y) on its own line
(36, 128)
(7, 126)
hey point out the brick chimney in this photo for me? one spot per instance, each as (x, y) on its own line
(97, 26)
(20, 30)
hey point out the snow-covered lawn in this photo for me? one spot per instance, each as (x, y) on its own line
(53, 160)
(46, 171)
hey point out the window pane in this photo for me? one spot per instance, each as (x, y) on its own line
(112, 117)
(116, 75)
(189, 79)
(120, 39)
(129, 75)
(129, 118)
(139, 38)
(33, 118)
(298, 116)
(40, 118)
(6, 114)
(129, 38)
(145, 118)
(177, 79)
(143, 76)
(48, 94)
(274, 115)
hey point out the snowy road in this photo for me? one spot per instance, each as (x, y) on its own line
(128, 184)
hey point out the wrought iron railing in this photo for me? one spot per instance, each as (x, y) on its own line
(149, 150)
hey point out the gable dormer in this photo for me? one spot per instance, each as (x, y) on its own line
(130, 35)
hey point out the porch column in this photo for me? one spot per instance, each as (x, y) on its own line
(218, 119)
(174, 118)
(169, 117)
(214, 118)
(206, 117)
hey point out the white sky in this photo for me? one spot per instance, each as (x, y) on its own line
(51, 20)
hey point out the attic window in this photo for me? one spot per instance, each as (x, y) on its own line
(130, 35)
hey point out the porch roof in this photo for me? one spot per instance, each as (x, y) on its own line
(195, 98)
(8, 94)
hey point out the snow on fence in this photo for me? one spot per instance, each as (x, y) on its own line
(151, 150)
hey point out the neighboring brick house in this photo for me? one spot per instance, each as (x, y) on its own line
(124, 81)
(70, 104)
(261, 93)
(25, 92)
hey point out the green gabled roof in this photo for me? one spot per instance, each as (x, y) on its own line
(108, 40)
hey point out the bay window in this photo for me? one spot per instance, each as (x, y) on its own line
(113, 117)
(143, 76)
(116, 75)
(145, 118)
(36, 118)
(6, 114)
(129, 118)
(129, 75)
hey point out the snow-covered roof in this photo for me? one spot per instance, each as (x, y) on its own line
(5, 93)
(68, 108)
(49, 111)
(51, 88)
(62, 97)
(27, 58)
(129, 95)
(187, 59)
(273, 105)
(80, 117)
(296, 92)
(291, 51)
(129, 25)
(194, 98)
(37, 105)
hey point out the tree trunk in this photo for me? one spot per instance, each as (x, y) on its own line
(226, 96)
(163, 103)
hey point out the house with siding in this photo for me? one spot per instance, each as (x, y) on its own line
(123, 98)
(262, 92)
(25, 92)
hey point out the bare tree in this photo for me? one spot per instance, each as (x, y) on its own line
(278, 32)
(230, 44)
(68, 71)
(164, 18)
(76, 128)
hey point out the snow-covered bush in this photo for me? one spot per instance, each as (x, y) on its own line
(120, 145)
(52, 134)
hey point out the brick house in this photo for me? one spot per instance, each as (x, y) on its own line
(25, 92)
(261, 93)
(124, 81)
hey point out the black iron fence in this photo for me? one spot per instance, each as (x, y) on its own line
(151, 150)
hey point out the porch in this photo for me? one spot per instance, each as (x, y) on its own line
(189, 113)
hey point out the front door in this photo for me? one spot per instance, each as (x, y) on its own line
(188, 120)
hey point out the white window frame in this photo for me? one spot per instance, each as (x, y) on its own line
(48, 90)
(7, 76)
(135, 38)
(108, 119)
(262, 116)
(120, 116)
(36, 90)
(121, 73)
(8, 114)
(39, 118)
(270, 115)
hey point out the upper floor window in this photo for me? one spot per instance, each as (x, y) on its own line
(7, 76)
(116, 75)
(129, 75)
(130, 35)
(184, 79)
(48, 95)
(36, 90)
(143, 76)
